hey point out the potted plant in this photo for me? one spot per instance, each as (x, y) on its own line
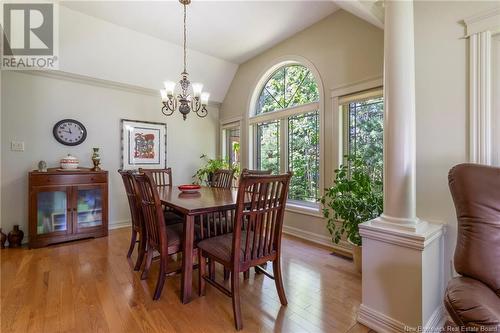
(205, 173)
(355, 197)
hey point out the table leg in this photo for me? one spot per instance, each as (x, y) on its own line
(187, 260)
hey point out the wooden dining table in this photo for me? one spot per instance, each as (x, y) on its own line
(206, 200)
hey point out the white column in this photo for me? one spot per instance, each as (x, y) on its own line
(399, 119)
(402, 257)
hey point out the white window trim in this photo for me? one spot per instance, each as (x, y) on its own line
(480, 30)
(337, 118)
(225, 124)
(251, 119)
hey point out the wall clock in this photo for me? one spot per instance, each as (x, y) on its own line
(69, 132)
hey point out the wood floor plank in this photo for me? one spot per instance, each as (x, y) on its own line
(90, 286)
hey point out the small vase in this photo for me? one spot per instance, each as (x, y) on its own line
(3, 239)
(96, 159)
(15, 237)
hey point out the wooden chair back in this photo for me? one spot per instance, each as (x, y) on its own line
(162, 177)
(152, 211)
(259, 218)
(222, 178)
(133, 199)
(256, 172)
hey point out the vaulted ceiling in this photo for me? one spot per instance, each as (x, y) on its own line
(231, 30)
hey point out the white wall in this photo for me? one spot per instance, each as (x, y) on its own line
(32, 104)
(441, 62)
(96, 48)
(345, 50)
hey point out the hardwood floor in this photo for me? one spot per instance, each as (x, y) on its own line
(89, 286)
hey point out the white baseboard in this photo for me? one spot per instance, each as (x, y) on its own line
(343, 247)
(119, 224)
(378, 321)
(384, 324)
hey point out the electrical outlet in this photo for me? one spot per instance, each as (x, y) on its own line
(17, 145)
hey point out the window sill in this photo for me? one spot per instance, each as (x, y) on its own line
(311, 210)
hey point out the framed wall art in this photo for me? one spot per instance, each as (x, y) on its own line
(144, 144)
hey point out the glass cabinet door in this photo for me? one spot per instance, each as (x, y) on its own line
(52, 211)
(89, 209)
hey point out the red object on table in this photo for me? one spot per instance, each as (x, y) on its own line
(189, 187)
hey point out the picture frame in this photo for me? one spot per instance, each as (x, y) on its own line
(144, 144)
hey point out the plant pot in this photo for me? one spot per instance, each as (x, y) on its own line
(357, 255)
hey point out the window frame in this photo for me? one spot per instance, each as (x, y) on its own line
(343, 104)
(282, 115)
(224, 126)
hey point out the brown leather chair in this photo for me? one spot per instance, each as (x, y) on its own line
(473, 299)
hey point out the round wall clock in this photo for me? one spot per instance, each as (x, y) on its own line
(69, 132)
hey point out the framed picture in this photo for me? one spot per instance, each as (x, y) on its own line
(144, 144)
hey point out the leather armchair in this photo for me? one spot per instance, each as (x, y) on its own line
(473, 299)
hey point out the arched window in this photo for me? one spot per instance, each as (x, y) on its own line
(288, 86)
(286, 129)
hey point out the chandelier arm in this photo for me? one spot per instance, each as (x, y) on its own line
(195, 104)
(169, 106)
(203, 112)
(166, 110)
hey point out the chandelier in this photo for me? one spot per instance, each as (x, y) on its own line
(184, 102)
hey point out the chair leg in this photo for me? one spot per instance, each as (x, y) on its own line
(246, 274)
(211, 269)
(133, 239)
(149, 259)
(235, 292)
(202, 266)
(279, 280)
(226, 274)
(141, 252)
(161, 278)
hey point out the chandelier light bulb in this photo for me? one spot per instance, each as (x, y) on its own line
(169, 87)
(197, 88)
(164, 95)
(204, 98)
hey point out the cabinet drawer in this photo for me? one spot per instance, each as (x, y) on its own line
(41, 180)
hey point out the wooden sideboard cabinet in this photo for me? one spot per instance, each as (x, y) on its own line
(67, 205)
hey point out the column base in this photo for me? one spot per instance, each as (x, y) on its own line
(399, 223)
(403, 275)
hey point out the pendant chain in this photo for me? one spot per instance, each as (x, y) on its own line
(185, 38)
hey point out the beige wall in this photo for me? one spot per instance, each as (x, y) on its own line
(344, 50)
(441, 56)
(32, 104)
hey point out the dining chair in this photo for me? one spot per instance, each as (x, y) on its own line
(255, 240)
(222, 178)
(166, 239)
(246, 274)
(163, 177)
(138, 228)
